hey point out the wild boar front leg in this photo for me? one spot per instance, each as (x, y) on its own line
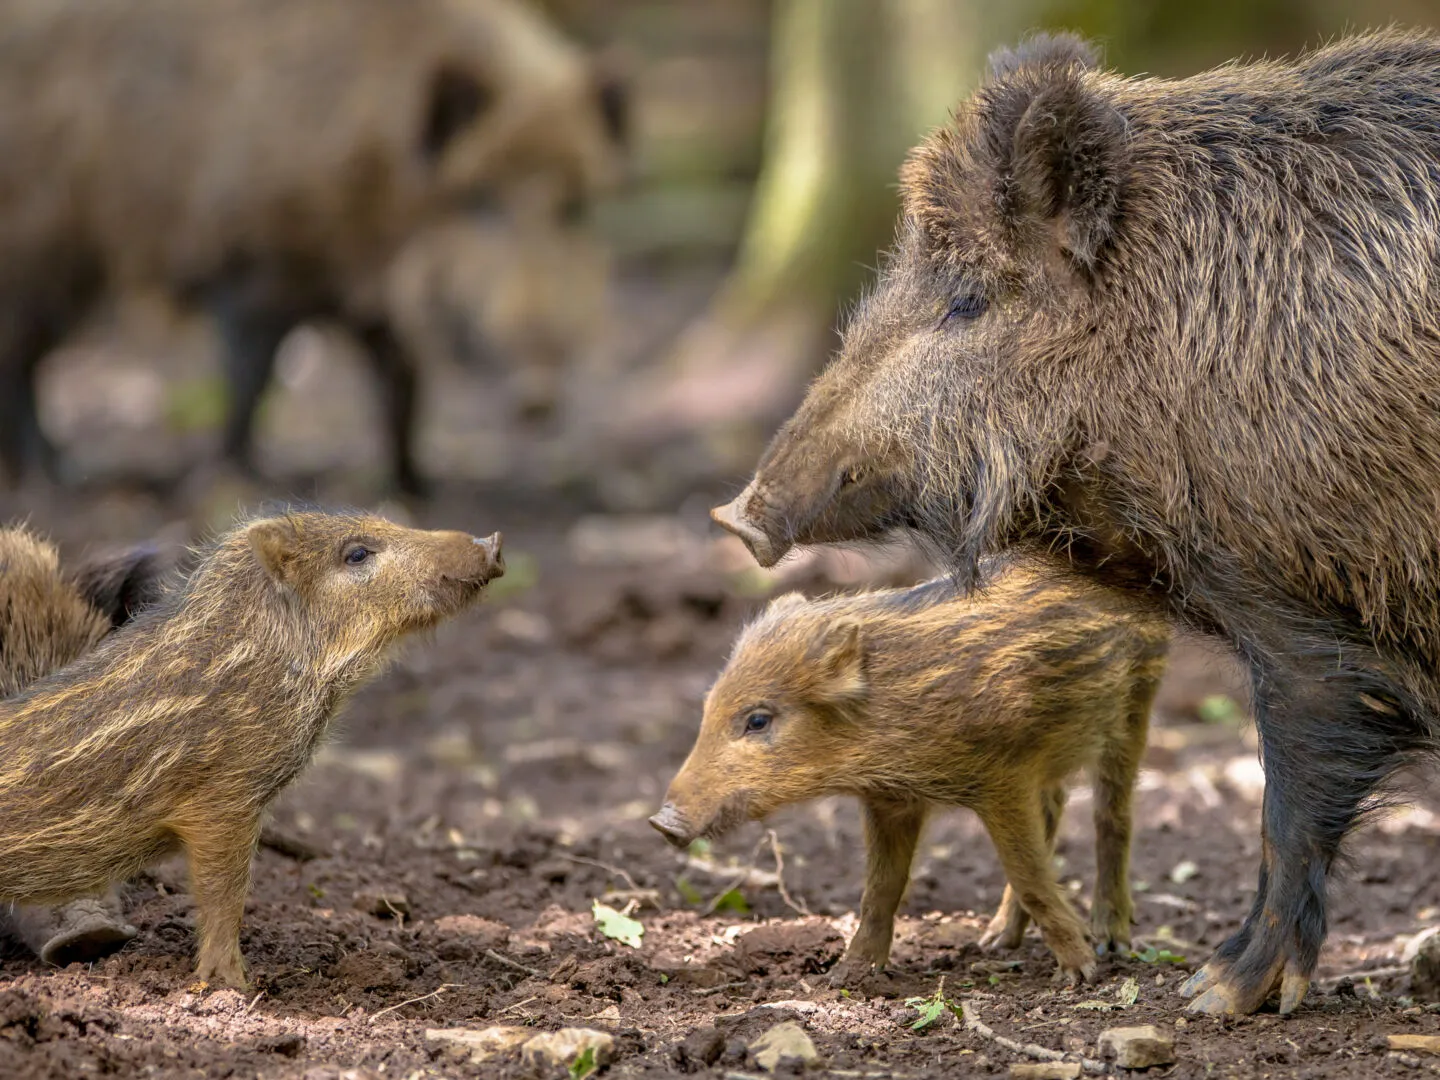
(892, 829)
(1007, 928)
(1017, 828)
(220, 851)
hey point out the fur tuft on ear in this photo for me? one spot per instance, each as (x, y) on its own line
(840, 661)
(1051, 149)
(1041, 50)
(276, 544)
(1067, 165)
(122, 584)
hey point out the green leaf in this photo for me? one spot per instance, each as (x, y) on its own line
(584, 1064)
(929, 1013)
(688, 892)
(931, 1008)
(1129, 992)
(620, 927)
(700, 848)
(1152, 955)
(733, 901)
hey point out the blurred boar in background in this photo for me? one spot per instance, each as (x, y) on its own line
(502, 293)
(265, 160)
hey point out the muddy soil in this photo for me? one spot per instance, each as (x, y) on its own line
(442, 858)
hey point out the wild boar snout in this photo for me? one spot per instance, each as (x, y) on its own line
(734, 517)
(671, 824)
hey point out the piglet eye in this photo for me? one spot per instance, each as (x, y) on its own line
(967, 306)
(756, 722)
(357, 555)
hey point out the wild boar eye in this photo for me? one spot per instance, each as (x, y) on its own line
(356, 555)
(757, 722)
(967, 306)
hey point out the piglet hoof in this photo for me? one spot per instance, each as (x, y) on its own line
(1073, 975)
(226, 971)
(1002, 935)
(1111, 934)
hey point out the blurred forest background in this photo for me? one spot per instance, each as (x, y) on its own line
(770, 136)
(764, 142)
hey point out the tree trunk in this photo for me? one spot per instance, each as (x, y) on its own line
(855, 84)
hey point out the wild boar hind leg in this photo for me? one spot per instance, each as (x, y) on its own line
(892, 829)
(1113, 910)
(1007, 928)
(1017, 828)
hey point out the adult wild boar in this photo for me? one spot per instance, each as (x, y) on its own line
(265, 160)
(1188, 331)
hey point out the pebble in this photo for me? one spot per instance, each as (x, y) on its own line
(783, 1041)
(1138, 1047)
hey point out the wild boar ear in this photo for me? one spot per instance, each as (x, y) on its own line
(121, 584)
(1067, 155)
(455, 98)
(840, 667)
(276, 544)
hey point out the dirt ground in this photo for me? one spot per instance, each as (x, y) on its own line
(446, 850)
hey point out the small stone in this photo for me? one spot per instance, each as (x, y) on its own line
(482, 1043)
(701, 1049)
(785, 1041)
(486, 933)
(1423, 1044)
(563, 1047)
(1138, 1047)
(1046, 1070)
(384, 903)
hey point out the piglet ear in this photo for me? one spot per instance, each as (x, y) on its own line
(276, 545)
(840, 662)
(786, 603)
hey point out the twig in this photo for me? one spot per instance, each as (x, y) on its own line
(1372, 973)
(499, 959)
(518, 1004)
(800, 908)
(434, 993)
(253, 1002)
(615, 870)
(974, 1024)
(702, 991)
